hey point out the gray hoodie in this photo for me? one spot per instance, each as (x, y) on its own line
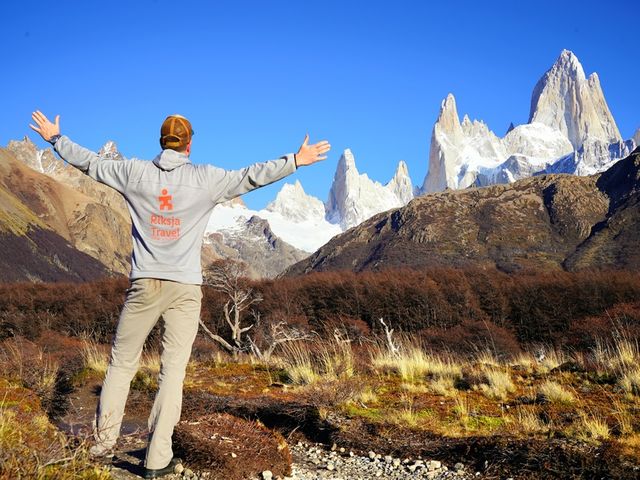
(170, 201)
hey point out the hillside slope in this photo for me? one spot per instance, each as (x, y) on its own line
(550, 221)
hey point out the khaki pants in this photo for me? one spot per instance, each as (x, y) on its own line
(147, 300)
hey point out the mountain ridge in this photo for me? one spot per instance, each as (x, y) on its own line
(547, 221)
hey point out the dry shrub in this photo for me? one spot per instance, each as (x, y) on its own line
(24, 362)
(460, 310)
(31, 447)
(472, 336)
(232, 448)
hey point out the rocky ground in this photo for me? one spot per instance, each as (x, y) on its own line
(310, 462)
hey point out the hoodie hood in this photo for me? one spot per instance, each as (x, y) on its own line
(170, 159)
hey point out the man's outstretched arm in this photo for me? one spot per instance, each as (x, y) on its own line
(228, 184)
(113, 173)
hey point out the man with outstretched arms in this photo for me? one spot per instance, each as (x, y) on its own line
(170, 200)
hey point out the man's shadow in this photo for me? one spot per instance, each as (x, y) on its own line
(131, 461)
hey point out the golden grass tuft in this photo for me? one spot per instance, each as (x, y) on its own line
(444, 386)
(413, 364)
(95, 357)
(307, 363)
(556, 393)
(498, 384)
(590, 427)
(527, 420)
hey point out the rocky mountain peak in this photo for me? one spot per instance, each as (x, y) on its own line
(347, 163)
(448, 119)
(568, 64)
(294, 203)
(354, 197)
(564, 99)
(27, 152)
(401, 184)
(636, 137)
(110, 150)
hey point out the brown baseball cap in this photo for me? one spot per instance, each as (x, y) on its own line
(175, 133)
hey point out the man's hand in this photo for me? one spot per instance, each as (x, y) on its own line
(308, 154)
(45, 128)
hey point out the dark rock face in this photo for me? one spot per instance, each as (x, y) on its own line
(549, 221)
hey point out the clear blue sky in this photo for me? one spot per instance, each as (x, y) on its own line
(253, 77)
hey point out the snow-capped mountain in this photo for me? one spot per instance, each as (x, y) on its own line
(293, 203)
(570, 130)
(566, 100)
(354, 197)
(253, 242)
(307, 235)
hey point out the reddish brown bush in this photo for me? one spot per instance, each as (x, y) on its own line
(232, 448)
(556, 308)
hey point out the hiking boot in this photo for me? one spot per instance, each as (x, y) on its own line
(155, 473)
(100, 452)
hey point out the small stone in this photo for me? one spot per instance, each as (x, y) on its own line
(233, 455)
(372, 454)
(412, 468)
(378, 473)
(396, 462)
(189, 473)
(267, 475)
(459, 466)
(433, 465)
(351, 454)
(331, 466)
(388, 459)
(334, 447)
(342, 450)
(178, 469)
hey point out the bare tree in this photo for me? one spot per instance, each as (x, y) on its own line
(392, 346)
(230, 278)
(279, 333)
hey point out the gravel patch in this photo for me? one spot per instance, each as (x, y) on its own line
(316, 462)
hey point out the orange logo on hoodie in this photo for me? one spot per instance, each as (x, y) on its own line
(166, 200)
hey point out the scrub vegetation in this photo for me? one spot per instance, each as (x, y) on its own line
(385, 360)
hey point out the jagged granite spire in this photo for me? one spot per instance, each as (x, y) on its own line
(566, 100)
(354, 197)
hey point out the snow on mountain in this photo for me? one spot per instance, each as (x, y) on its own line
(292, 202)
(459, 150)
(110, 150)
(43, 161)
(308, 235)
(253, 242)
(354, 197)
(570, 130)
